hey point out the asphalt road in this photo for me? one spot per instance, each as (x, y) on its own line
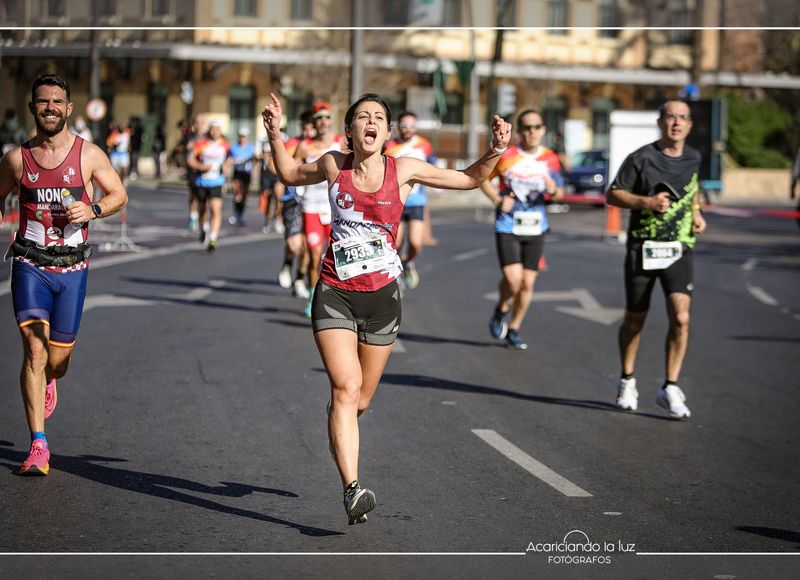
(189, 439)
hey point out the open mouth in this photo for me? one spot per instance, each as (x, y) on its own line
(370, 135)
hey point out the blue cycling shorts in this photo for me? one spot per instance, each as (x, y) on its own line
(42, 297)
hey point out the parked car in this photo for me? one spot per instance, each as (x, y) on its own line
(588, 175)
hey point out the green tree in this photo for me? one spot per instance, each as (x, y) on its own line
(757, 132)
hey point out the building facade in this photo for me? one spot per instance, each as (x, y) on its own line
(575, 60)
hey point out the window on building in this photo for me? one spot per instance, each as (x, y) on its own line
(161, 7)
(554, 113)
(455, 109)
(679, 19)
(395, 13)
(8, 11)
(452, 13)
(56, 8)
(557, 16)
(157, 102)
(106, 8)
(601, 126)
(508, 13)
(245, 8)
(242, 108)
(608, 18)
(301, 10)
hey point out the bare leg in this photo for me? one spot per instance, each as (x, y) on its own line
(678, 308)
(32, 376)
(416, 235)
(522, 298)
(629, 337)
(354, 371)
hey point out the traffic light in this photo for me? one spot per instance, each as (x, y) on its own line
(506, 99)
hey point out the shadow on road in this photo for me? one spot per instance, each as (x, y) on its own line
(766, 338)
(447, 385)
(426, 339)
(206, 303)
(204, 284)
(86, 466)
(776, 533)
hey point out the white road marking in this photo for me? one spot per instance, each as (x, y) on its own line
(530, 464)
(469, 255)
(101, 300)
(749, 265)
(762, 296)
(589, 309)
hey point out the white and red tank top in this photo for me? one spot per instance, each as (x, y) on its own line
(355, 213)
(315, 197)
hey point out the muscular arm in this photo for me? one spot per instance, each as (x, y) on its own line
(10, 172)
(626, 199)
(415, 171)
(288, 169)
(114, 195)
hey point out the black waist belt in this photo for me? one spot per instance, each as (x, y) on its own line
(58, 256)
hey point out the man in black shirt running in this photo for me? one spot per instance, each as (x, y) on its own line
(659, 184)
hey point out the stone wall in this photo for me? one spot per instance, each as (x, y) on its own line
(756, 187)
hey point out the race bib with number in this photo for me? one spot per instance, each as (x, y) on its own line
(359, 255)
(660, 255)
(212, 173)
(527, 223)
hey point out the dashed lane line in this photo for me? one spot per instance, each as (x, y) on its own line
(530, 464)
(762, 296)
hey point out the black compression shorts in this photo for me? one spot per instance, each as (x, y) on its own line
(514, 249)
(679, 277)
(373, 316)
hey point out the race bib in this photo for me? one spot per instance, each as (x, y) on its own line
(660, 255)
(359, 255)
(527, 223)
(212, 173)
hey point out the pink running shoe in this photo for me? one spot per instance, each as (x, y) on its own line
(38, 461)
(50, 398)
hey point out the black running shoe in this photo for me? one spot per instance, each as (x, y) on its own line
(357, 503)
(515, 341)
(498, 326)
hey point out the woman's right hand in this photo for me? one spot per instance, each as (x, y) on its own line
(272, 117)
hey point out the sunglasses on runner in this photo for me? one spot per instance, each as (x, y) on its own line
(404, 126)
(535, 127)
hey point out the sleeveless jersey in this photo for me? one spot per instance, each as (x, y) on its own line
(354, 213)
(315, 198)
(43, 219)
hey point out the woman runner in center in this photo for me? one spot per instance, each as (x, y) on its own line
(356, 308)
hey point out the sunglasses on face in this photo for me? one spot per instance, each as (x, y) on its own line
(535, 127)
(674, 117)
(406, 126)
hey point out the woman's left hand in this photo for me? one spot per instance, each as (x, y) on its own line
(501, 133)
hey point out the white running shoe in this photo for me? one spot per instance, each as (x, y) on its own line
(300, 290)
(279, 227)
(285, 276)
(673, 400)
(627, 395)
